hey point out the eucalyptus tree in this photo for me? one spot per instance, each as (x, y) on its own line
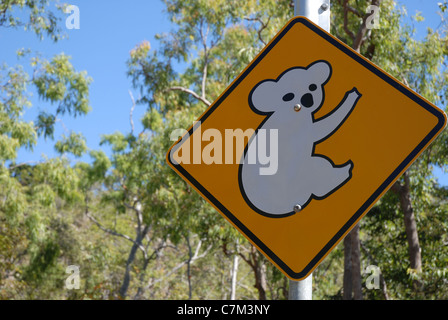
(421, 65)
(34, 233)
(210, 44)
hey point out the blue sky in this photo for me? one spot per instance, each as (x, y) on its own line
(108, 31)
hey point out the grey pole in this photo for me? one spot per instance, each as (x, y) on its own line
(318, 11)
(301, 290)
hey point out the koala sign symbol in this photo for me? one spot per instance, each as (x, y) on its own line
(290, 103)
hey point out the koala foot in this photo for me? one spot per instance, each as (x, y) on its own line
(333, 177)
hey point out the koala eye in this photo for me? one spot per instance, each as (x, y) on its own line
(312, 87)
(288, 97)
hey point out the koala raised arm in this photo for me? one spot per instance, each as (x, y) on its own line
(326, 125)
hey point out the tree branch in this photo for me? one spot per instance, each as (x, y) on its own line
(204, 70)
(346, 29)
(115, 233)
(263, 26)
(190, 260)
(110, 231)
(352, 10)
(190, 92)
(359, 38)
(132, 111)
(12, 167)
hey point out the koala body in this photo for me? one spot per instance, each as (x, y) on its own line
(301, 175)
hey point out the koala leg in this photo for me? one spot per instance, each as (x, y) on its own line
(328, 177)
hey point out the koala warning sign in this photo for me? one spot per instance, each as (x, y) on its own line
(302, 144)
(302, 174)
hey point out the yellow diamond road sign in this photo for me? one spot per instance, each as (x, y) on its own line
(302, 144)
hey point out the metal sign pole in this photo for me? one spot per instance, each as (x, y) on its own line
(317, 11)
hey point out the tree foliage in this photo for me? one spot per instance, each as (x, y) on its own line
(134, 227)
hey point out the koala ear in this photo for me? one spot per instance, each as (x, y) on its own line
(264, 97)
(320, 71)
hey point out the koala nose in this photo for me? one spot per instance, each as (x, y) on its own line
(307, 100)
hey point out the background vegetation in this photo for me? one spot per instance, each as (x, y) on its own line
(135, 229)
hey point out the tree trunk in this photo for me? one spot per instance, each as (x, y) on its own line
(348, 285)
(260, 278)
(410, 225)
(190, 257)
(352, 266)
(356, 264)
(404, 194)
(352, 255)
(127, 275)
(257, 263)
(137, 244)
(141, 288)
(234, 273)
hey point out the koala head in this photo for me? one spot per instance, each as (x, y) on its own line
(303, 86)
